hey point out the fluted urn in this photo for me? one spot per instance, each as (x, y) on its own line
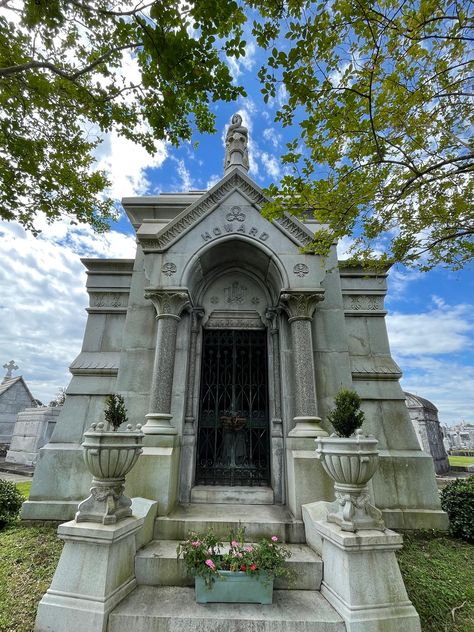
(351, 462)
(109, 456)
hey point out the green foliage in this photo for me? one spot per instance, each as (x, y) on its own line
(11, 500)
(346, 417)
(27, 564)
(382, 95)
(205, 555)
(115, 411)
(438, 572)
(457, 500)
(62, 82)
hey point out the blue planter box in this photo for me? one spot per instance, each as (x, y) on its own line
(236, 587)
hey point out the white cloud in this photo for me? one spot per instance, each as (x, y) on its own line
(271, 164)
(441, 330)
(126, 163)
(43, 297)
(272, 136)
(433, 350)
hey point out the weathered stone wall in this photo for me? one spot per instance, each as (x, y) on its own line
(12, 401)
(33, 429)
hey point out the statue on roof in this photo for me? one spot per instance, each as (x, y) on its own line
(236, 141)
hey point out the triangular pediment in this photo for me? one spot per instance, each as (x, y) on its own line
(236, 180)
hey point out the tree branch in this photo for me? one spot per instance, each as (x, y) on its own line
(31, 65)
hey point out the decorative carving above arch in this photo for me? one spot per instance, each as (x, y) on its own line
(234, 319)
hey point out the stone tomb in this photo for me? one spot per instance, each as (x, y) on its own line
(15, 396)
(229, 344)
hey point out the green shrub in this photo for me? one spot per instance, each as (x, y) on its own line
(115, 411)
(346, 417)
(10, 502)
(457, 500)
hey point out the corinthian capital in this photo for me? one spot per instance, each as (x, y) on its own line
(300, 305)
(169, 302)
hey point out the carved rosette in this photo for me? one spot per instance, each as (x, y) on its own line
(168, 303)
(300, 305)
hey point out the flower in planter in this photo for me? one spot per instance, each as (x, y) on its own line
(205, 555)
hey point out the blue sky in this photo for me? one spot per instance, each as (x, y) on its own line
(42, 282)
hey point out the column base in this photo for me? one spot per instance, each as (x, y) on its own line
(158, 423)
(307, 427)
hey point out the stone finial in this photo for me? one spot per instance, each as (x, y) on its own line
(236, 141)
(10, 367)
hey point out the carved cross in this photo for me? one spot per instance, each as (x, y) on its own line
(11, 366)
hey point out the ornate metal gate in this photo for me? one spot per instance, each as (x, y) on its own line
(233, 439)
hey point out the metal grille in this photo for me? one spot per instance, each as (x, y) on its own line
(233, 441)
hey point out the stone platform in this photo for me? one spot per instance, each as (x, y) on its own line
(173, 609)
(258, 521)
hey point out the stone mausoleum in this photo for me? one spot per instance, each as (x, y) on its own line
(229, 343)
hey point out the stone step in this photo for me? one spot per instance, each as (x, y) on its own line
(157, 565)
(173, 609)
(258, 520)
(232, 495)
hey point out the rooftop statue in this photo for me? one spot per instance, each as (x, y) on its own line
(236, 141)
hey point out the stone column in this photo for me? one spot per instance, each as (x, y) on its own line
(272, 316)
(299, 306)
(169, 305)
(196, 314)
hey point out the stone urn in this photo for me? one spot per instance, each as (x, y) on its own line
(351, 462)
(109, 456)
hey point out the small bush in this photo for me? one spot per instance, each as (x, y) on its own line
(457, 500)
(115, 411)
(346, 417)
(10, 502)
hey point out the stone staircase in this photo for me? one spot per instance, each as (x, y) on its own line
(164, 598)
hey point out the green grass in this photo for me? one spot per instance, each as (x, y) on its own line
(461, 460)
(439, 576)
(24, 488)
(29, 556)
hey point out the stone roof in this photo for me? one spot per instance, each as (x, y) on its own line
(415, 401)
(8, 382)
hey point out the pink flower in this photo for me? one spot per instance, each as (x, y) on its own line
(274, 538)
(249, 549)
(211, 565)
(234, 544)
(195, 544)
(238, 555)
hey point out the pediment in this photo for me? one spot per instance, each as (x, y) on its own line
(155, 238)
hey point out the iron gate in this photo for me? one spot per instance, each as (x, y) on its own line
(233, 440)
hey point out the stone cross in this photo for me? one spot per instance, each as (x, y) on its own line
(11, 366)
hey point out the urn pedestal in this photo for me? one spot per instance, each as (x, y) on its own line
(109, 456)
(351, 462)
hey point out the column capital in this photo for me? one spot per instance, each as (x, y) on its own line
(300, 304)
(197, 314)
(169, 302)
(271, 314)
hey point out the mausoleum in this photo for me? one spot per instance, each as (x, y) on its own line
(229, 343)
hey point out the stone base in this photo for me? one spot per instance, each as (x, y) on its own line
(306, 477)
(106, 505)
(362, 580)
(156, 473)
(94, 574)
